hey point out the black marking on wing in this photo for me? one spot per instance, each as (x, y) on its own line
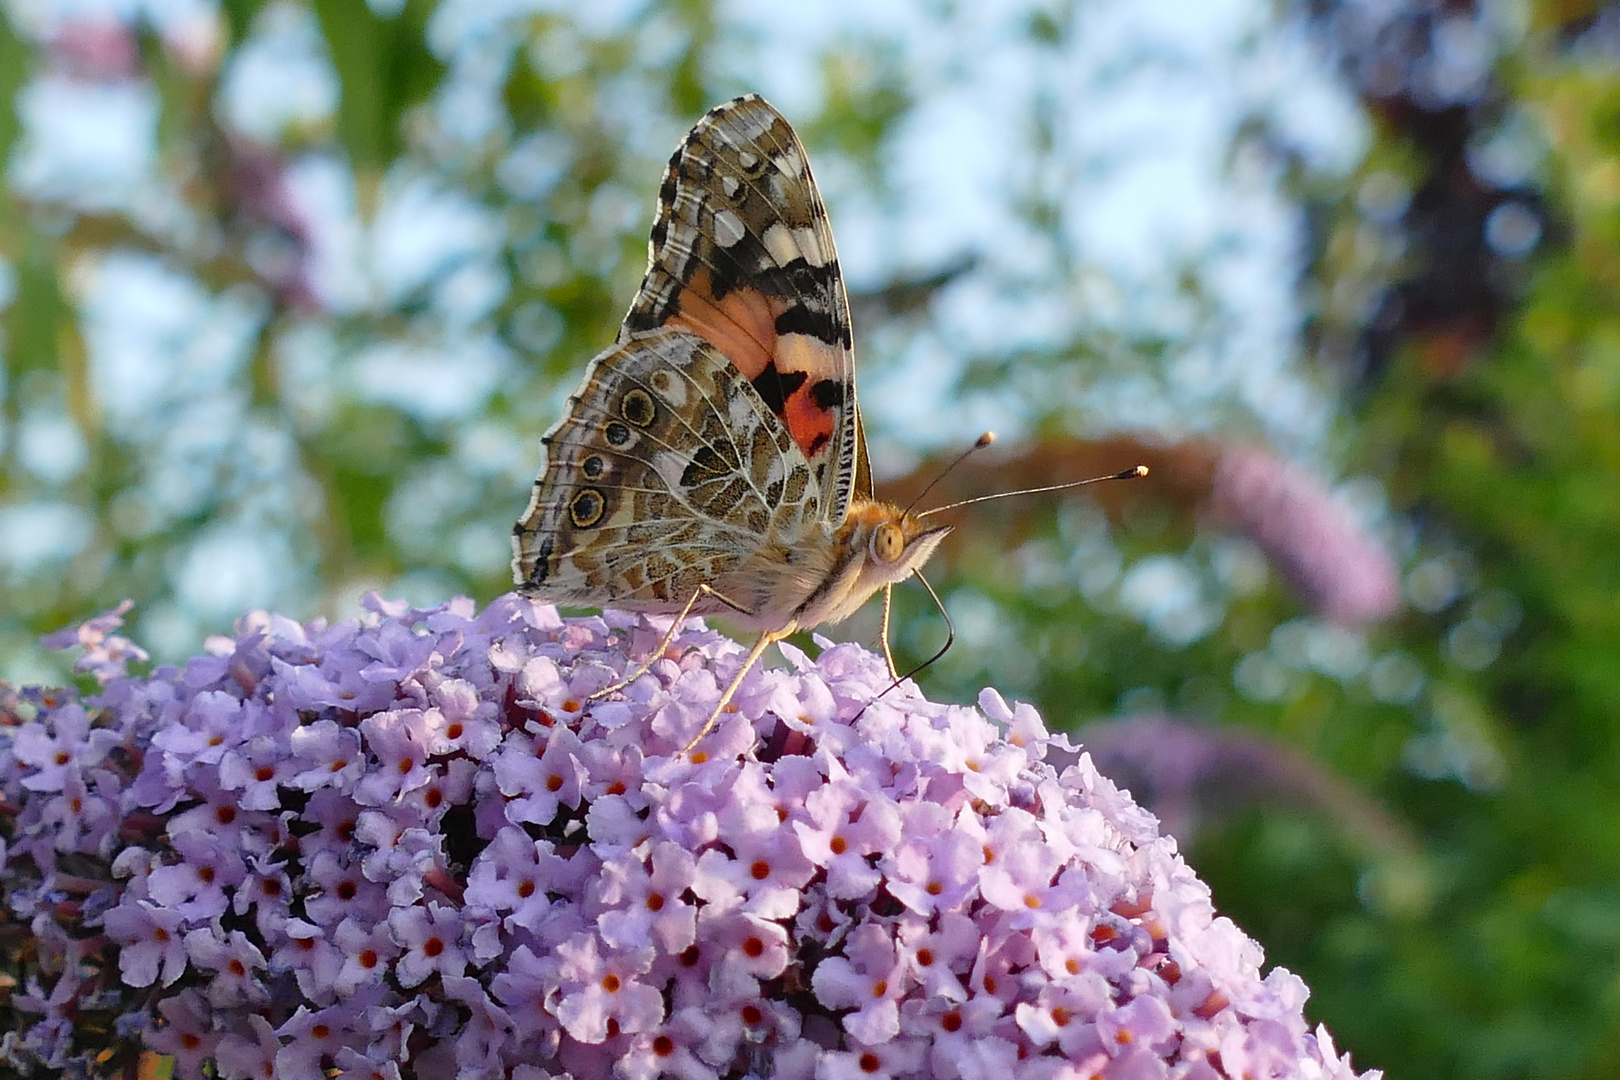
(707, 465)
(827, 393)
(775, 387)
(542, 564)
(801, 318)
(666, 198)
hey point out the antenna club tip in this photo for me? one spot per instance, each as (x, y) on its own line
(985, 440)
(1140, 470)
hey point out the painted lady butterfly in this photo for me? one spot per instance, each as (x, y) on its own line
(707, 464)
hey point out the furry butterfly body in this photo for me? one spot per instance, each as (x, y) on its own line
(708, 462)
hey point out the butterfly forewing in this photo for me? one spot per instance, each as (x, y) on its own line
(741, 254)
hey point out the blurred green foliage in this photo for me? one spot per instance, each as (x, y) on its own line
(1421, 822)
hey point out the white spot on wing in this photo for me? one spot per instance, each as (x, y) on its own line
(810, 244)
(741, 417)
(781, 243)
(670, 467)
(801, 352)
(790, 161)
(728, 228)
(672, 390)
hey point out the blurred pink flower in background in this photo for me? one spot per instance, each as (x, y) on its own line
(1343, 572)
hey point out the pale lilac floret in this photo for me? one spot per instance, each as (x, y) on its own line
(513, 876)
(539, 777)
(185, 1032)
(250, 1055)
(672, 1050)
(489, 1029)
(646, 902)
(367, 950)
(196, 884)
(764, 869)
(891, 1060)
(325, 754)
(747, 950)
(311, 686)
(461, 722)
(398, 740)
(431, 938)
(55, 748)
(256, 770)
(401, 854)
(870, 979)
(525, 988)
(933, 951)
(308, 1038)
(232, 964)
(601, 991)
(83, 812)
(845, 827)
(312, 959)
(413, 845)
(152, 946)
(935, 867)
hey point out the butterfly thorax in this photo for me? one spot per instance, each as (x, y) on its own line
(825, 573)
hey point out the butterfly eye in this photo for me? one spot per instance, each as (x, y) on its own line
(888, 543)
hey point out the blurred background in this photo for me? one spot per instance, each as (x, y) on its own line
(289, 291)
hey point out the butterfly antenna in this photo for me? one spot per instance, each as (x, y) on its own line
(983, 441)
(950, 639)
(1128, 474)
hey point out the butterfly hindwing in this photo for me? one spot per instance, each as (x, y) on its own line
(664, 473)
(741, 255)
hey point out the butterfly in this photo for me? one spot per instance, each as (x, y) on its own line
(708, 462)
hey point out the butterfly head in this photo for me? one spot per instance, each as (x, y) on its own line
(893, 543)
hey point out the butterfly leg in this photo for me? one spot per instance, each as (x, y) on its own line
(888, 654)
(765, 641)
(663, 645)
(652, 657)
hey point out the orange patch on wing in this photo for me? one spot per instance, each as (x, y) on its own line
(810, 425)
(742, 325)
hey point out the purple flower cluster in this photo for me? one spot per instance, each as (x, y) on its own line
(411, 846)
(1345, 574)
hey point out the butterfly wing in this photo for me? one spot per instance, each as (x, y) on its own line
(742, 256)
(666, 472)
